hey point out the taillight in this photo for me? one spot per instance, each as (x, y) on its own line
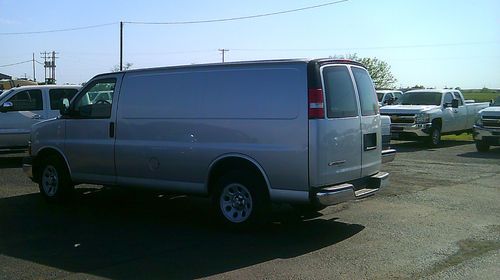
(316, 103)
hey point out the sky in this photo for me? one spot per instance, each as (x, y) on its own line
(435, 43)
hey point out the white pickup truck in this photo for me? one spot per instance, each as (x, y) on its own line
(430, 113)
(487, 127)
(21, 107)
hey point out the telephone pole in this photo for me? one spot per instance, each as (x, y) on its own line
(34, 74)
(223, 51)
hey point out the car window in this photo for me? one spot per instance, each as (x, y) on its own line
(457, 96)
(366, 91)
(397, 95)
(448, 97)
(27, 100)
(95, 101)
(339, 92)
(58, 94)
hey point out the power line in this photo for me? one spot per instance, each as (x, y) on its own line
(378, 47)
(59, 30)
(238, 18)
(17, 63)
(176, 22)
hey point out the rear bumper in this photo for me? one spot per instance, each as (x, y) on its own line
(388, 155)
(417, 130)
(344, 192)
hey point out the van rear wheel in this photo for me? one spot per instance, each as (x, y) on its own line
(54, 182)
(240, 199)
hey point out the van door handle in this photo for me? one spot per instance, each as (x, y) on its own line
(111, 129)
(36, 117)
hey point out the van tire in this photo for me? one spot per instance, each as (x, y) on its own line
(482, 147)
(240, 199)
(54, 183)
(435, 136)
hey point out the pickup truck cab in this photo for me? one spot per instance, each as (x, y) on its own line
(430, 113)
(388, 97)
(303, 132)
(487, 128)
(24, 106)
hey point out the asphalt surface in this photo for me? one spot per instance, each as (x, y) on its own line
(439, 219)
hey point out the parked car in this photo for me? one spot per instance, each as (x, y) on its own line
(388, 97)
(304, 132)
(430, 113)
(22, 107)
(487, 127)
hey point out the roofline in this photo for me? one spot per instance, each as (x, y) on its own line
(320, 61)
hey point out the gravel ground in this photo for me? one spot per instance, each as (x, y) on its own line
(439, 219)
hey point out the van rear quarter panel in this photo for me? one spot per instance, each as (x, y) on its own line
(173, 123)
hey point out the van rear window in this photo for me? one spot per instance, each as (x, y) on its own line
(366, 91)
(339, 92)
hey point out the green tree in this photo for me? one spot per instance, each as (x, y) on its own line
(379, 70)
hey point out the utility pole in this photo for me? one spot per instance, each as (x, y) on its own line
(121, 45)
(49, 63)
(34, 74)
(223, 51)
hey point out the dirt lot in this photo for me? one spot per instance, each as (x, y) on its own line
(439, 219)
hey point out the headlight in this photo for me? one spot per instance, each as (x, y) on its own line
(422, 118)
(479, 120)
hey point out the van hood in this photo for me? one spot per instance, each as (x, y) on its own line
(406, 109)
(490, 111)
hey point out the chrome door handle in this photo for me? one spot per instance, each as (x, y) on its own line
(36, 117)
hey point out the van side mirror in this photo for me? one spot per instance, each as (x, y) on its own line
(7, 106)
(64, 108)
(454, 103)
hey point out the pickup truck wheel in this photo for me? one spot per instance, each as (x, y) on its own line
(240, 199)
(482, 147)
(54, 183)
(435, 137)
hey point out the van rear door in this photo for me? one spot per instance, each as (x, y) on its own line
(370, 122)
(334, 138)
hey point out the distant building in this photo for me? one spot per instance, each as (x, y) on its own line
(3, 76)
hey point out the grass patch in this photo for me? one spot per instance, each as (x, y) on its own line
(461, 137)
(481, 96)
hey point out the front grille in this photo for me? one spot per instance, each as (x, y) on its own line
(490, 122)
(402, 118)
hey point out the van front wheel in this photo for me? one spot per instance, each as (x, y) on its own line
(54, 183)
(240, 199)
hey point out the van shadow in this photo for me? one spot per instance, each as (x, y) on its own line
(129, 235)
(416, 146)
(11, 162)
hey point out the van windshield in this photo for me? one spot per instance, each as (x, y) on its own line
(420, 98)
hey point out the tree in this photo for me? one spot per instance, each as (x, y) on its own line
(127, 66)
(379, 70)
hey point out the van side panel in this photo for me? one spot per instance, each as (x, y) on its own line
(173, 123)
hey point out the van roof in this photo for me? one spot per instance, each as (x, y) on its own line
(47, 86)
(318, 62)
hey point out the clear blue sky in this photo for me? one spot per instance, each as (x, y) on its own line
(434, 43)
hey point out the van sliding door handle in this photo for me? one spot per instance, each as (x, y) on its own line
(111, 129)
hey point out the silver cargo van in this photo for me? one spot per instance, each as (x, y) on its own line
(304, 132)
